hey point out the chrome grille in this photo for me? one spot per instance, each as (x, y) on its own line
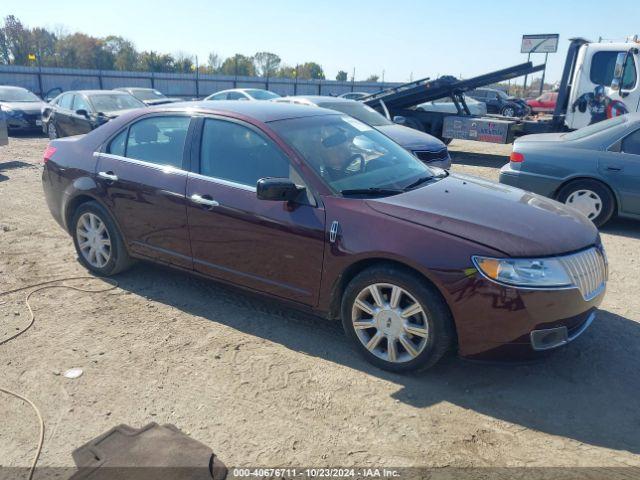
(588, 271)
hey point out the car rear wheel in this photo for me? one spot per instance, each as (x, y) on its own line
(51, 130)
(397, 321)
(97, 240)
(592, 198)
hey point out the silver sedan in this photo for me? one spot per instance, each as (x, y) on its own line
(595, 169)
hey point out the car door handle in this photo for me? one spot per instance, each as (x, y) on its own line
(614, 169)
(204, 200)
(110, 176)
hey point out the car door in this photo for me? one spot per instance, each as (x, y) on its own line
(80, 124)
(141, 171)
(269, 246)
(624, 172)
(62, 115)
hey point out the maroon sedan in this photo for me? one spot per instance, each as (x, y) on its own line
(317, 208)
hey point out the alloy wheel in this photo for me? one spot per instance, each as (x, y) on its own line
(587, 202)
(390, 322)
(93, 240)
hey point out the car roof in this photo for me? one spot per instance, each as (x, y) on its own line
(315, 99)
(13, 87)
(261, 111)
(95, 92)
(124, 89)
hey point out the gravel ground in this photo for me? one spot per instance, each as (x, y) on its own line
(266, 386)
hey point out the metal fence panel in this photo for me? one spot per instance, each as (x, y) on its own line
(42, 80)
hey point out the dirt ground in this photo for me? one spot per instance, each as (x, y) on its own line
(266, 386)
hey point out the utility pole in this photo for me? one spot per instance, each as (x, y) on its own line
(353, 78)
(524, 88)
(546, 55)
(197, 79)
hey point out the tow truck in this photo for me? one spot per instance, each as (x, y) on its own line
(588, 65)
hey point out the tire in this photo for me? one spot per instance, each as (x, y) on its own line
(117, 259)
(433, 323)
(508, 111)
(52, 131)
(579, 193)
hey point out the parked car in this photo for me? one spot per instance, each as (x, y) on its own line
(424, 146)
(80, 111)
(446, 105)
(149, 96)
(595, 169)
(499, 102)
(243, 94)
(545, 103)
(354, 95)
(21, 108)
(316, 208)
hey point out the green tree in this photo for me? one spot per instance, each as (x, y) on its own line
(79, 50)
(310, 70)
(266, 63)
(372, 78)
(184, 63)
(238, 65)
(123, 51)
(285, 71)
(341, 76)
(214, 62)
(155, 62)
(17, 41)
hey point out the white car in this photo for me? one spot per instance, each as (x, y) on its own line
(243, 94)
(446, 105)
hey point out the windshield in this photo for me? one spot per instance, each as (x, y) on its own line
(350, 155)
(17, 95)
(358, 110)
(145, 94)
(262, 94)
(595, 128)
(110, 102)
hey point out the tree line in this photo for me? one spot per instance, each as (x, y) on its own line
(20, 45)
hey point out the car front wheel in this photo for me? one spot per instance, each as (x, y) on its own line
(97, 240)
(396, 320)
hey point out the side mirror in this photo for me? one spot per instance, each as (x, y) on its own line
(399, 119)
(82, 112)
(278, 189)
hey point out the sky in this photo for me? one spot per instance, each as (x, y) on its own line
(402, 38)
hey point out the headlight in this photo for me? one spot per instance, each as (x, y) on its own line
(520, 272)
(12, 113)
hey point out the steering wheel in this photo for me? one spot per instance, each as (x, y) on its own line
(353, 158)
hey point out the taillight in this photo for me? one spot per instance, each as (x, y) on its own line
(516, 157)
(48, 153)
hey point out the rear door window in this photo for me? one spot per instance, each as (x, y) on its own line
(66, 101)
(631, 144)
(158, 140)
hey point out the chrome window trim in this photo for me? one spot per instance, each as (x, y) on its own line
(143, 163)
(222, 181)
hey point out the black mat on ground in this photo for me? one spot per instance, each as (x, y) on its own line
(159, 452)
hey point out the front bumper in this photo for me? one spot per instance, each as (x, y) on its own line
(24, 123)
(496, 322)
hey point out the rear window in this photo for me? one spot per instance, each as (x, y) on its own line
(595, 128)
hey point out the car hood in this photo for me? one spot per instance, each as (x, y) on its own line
(411, 138)
(117, 113)
(515, 222)
(27, 107)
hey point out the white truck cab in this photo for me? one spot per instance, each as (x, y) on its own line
(609, 68)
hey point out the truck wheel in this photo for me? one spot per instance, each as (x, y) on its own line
(591, 197)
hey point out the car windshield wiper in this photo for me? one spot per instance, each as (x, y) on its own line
(419, 181)
(371, 191)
